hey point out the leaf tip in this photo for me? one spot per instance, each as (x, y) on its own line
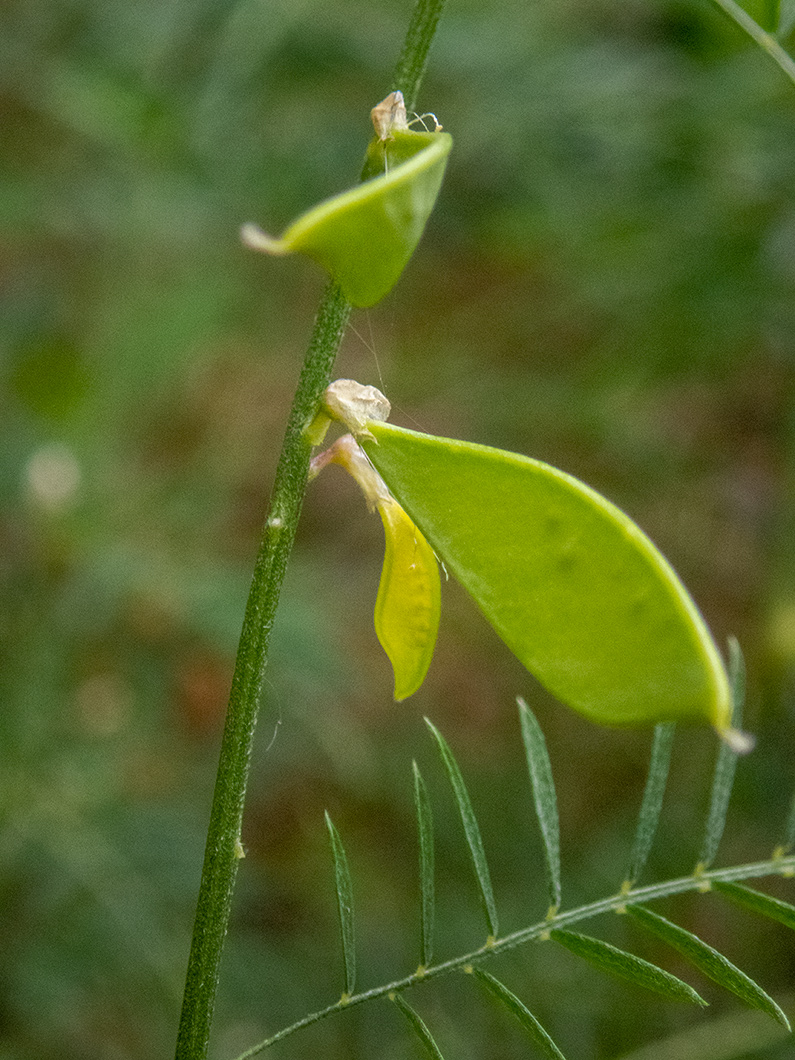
(781, 1018)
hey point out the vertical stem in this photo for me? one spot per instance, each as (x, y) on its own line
(411, 64)
(223, 835)
(221, 858)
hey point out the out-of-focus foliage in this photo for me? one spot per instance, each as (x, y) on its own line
(608, 283)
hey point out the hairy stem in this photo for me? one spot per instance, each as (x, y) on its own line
(226, 814)
(223, 835)
(413, 58)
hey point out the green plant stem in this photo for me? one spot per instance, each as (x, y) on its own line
(776, 866)
(223, 836)
(411, 64)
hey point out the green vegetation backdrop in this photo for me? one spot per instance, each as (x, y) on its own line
(607, 283)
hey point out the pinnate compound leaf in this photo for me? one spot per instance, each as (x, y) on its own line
(625, 965)
(709, 961)
(364, 237)
(471, 830)
(517, 1007)
(419, 1027)
(568, 581)
(756, 902)
(725, 765)
(427, 890)
(651, 806)
(544, 796)
(342, 881)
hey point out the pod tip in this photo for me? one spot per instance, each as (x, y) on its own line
(253, 237)
(739, 742)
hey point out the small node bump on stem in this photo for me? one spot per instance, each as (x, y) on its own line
(705, 885)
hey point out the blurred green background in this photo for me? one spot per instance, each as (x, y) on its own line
(608, 283)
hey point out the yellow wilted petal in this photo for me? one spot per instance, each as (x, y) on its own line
(409, 600)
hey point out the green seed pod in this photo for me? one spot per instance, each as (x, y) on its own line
(408, 606)
(570, 583)
(575, 589)
(364, 237)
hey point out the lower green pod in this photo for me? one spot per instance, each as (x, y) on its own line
(409, 600)
(364, 237)
(573, 587)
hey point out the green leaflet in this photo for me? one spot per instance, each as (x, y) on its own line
(427, 884)
(344, 887)
(471, 830)
(419, 1026)
(709, 961)
(725, 766)
(364, 237)
(574, 588)
(518, 1008)
(625, 965)
(544, 797)
(757, 902)
(651, 805)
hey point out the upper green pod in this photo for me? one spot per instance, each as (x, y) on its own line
(364, 237)
(574, 588)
